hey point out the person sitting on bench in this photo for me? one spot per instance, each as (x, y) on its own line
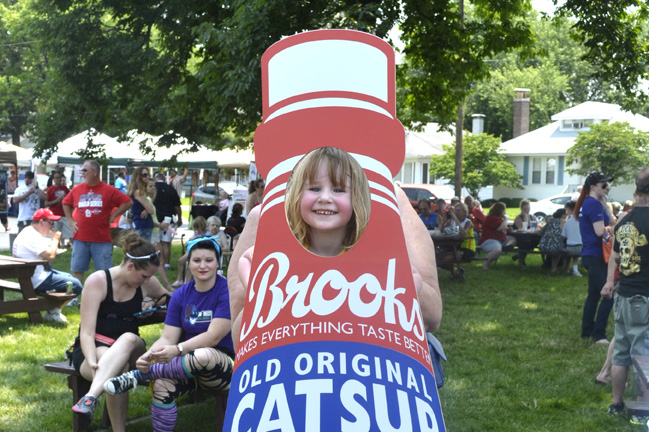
(195, 349)
(34, 242)
(109, 342)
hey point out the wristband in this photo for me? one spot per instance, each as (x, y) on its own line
(180, 349)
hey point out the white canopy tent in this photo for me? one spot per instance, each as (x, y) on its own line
(14, 155)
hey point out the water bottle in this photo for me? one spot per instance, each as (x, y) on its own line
(68, 287)
(532, 224)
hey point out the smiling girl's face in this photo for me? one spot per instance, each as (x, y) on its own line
(326, 207)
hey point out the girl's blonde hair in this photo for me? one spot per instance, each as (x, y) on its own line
(199, 225)
(340, 166)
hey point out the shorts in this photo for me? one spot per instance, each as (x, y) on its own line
(145, 233)
(166, 236)
(155, 236)
(631, 328)
(77, 353)
(63, 226)
(573, 250)
(491, 244)
(102, 256)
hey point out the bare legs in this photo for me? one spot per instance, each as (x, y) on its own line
(604, 375)
(492, 256)
(111, 362)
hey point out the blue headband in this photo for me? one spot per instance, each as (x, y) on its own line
(213, 239)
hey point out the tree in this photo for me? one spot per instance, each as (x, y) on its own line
(192, 68)
(21, 71)
(482, 164)
(616, 149)
(614, 35)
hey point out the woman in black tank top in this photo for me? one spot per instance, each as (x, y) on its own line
(109, 342)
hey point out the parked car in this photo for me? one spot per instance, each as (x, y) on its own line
(544, 208)
(431, 192)
(207, 194)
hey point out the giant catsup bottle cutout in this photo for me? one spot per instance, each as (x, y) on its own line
(331, 343)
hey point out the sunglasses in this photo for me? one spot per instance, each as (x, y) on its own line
(83, 170)
(144, 174)
(51, 222)
(151, 257)
(605, 185)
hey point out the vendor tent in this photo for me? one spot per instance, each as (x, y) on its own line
(14, 155)
(130, 153)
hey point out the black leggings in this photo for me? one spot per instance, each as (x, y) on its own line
(211, 368)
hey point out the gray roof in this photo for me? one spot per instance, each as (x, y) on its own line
(550, 140)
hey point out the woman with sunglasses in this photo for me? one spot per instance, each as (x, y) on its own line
(142, 208)
(594, 215)
(108, 343)
(195, 349)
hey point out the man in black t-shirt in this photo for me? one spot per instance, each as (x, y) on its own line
(631, 306)
(167, 204)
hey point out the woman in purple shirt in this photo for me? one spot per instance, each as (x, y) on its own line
(594, 216)
(195, 349)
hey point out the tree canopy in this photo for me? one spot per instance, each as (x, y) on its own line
(192, 68)
(482, 165)
(615, 148)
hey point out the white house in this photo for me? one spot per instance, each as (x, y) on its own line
(420, 146)
(540, 155)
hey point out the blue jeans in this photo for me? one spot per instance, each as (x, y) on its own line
(594, 320)
(102, 255)
(57, 281)
(145, 233)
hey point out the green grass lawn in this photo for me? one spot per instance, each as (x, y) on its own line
(516, 361)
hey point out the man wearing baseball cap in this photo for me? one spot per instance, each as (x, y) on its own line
(37, 241)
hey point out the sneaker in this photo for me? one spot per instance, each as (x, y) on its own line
(576, 273)
(72, 302)
(616, 409)
(55, 315)
(120, 384)
(86, 406)
(167, 266)
(638, 420)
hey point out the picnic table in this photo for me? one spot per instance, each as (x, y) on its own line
(449, 243)
(640, 407)
(22, 269)
(526, 241)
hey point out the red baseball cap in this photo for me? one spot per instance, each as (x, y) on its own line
(45, 213)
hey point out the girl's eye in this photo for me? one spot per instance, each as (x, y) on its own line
(314, 189)
(338, 190)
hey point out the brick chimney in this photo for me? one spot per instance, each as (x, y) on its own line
(477, 126)
(521, 112)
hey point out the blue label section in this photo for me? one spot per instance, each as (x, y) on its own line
(333, 386)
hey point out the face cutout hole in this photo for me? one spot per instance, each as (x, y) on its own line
(327, 201)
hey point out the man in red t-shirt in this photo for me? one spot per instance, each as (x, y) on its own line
(55, 195)
(97, 205)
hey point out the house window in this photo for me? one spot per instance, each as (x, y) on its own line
(550, 170)
(407, 173)
(537, 163)
(544, 170)
(424, 173)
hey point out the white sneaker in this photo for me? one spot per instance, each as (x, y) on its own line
(576, 273)
(55, 315)
(72, 302)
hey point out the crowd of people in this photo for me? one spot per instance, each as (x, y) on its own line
(196, 350)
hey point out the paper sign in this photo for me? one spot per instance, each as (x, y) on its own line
(337, 343)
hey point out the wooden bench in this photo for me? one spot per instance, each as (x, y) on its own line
(80, 386)
(23, 269)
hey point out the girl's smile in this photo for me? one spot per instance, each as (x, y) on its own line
(326, 207)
